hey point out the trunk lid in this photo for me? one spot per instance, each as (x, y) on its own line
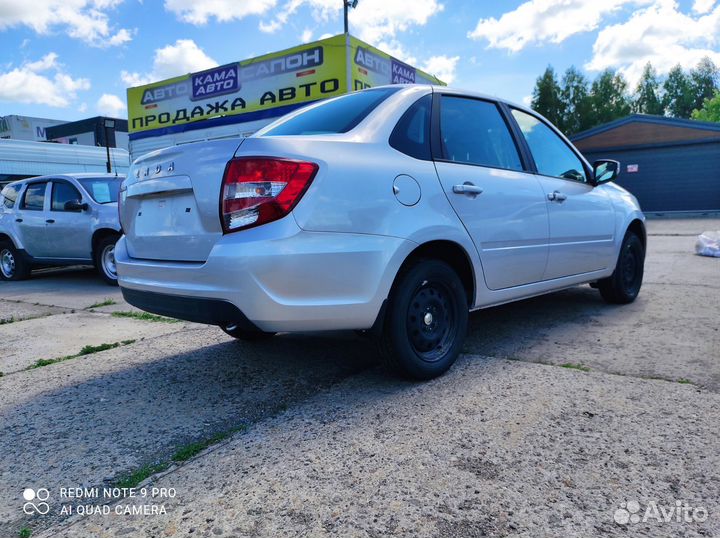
(170, 201)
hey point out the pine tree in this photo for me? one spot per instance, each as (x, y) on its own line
(546, 97)
(608, 98)
(647, 95)
(703, 82)
(678, 98)
(575, 102)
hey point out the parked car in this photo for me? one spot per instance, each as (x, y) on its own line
(393, 210)
(69, 219)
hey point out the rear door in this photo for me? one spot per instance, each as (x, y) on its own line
(31, 217)
(68, 231)
(582, 219)
(501, 205)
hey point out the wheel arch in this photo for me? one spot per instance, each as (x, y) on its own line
(451, 253)
(99, 235)
(6, 237)
(638, 227)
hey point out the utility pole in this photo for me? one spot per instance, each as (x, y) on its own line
(347, 4)
(108, 124)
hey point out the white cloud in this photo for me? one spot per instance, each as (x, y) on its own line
(543, 21)
(30, 83)
(703, 6)
(170, 61)
(306, 36)
(660, 34)
(201, 11)
(111, 105)
(87, 20)
(82, 108)
(443, 67)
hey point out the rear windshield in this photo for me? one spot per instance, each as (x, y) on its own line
(337, 116)
(103, 190)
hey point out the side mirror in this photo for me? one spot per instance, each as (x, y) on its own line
(76, 205)
(605, 170)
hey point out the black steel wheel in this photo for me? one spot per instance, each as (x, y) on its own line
(625, 283)
(426, 320)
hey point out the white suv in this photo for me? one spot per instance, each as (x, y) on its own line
(394, 210)
(66, 219)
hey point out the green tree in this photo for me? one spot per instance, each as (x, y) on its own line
(710, 110)
(575, 97)
(609, 98)
(647, 95)
(678, 98)
(703, 82)
(546, 98)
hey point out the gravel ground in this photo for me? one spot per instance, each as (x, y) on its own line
(331, 446)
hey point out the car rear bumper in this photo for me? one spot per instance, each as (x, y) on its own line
(275, 277)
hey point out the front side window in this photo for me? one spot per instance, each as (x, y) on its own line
(552, 155)
(63, 193)
(336, 116)
(474, 132)
(34, 198)
(9, 195)
(102, 190)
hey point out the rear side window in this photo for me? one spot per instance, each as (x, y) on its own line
(9, 195)
(34, 198)
(412, 133)
(337, 116)
(61, 194)
(474, 132)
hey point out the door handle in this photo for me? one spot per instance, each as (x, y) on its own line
(50, 221)
(18, 220)
(467, 188)
(557, 196)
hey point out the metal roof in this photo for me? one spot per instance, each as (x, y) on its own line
(648, 118)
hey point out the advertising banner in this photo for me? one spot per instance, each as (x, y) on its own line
(252, 87)
(372, 67)
(264, 87)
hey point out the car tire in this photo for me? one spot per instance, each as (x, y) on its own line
(12, 265)
(623, 286)
(425, 322)
(245, 335)
(105, 259)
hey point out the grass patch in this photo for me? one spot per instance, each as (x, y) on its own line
(133, 479)
(685, 381)
(1, 374)
(183, 453)
(574, 366)
(5, 321)
(193, 449)
(24, 533)
(86, 350)
(106, 302)
(144, 316)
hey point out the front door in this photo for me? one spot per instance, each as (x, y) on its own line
(501, 206)
(68, 230)
(582, 220)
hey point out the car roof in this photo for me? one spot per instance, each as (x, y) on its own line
(79, 175)
(465, 93)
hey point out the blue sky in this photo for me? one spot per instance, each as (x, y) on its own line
(71, 59)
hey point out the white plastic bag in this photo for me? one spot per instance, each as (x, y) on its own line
(708, 244)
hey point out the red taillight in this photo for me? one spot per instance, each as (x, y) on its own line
(257, 190)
